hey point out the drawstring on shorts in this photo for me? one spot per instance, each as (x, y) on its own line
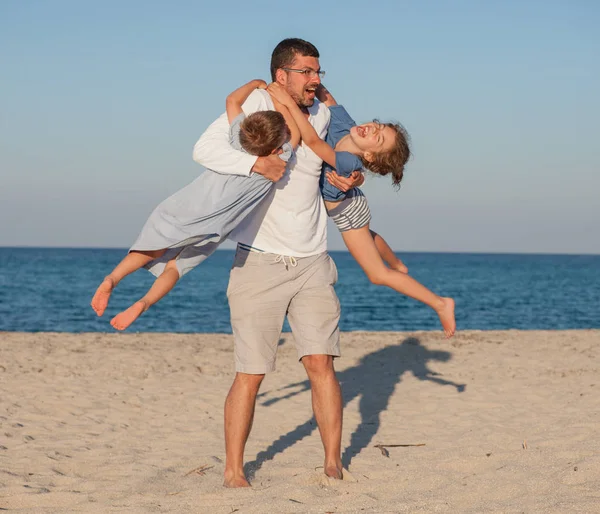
(293, 261)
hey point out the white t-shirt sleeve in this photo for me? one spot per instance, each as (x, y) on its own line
(213, 150)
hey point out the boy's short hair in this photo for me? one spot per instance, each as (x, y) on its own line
(262, 132)
(286, 51)
(393, 161)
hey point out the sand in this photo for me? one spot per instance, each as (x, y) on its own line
(508, 421)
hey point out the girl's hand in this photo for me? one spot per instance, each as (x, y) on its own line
(260, 84)
(280, 94)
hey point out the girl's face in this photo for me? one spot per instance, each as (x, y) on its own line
(373, 137)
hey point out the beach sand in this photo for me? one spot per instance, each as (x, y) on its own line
(498, 421)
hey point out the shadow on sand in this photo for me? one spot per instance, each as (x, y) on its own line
(373, 380)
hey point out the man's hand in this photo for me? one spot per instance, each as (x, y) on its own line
(323, 95)
(271, 167)
(280, 94)
(346, 183)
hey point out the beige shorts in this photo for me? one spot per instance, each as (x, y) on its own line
(263, 289)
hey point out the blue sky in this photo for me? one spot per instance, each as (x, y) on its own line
(102, 103)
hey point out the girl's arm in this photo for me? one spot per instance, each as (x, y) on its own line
(290, 122)
(308, 133)
(235, 100)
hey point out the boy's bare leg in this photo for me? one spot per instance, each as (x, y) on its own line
(387, 254)
(363, 249)
(239, 414)
(162, 285)
(133, 261)
(327, 407)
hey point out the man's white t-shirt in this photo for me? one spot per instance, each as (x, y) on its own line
(292, 220)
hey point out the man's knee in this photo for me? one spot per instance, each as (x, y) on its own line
(318, 364)
(249, 381)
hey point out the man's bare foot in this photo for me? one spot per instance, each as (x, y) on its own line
(233, 480)
(101, 296)
(122, 320)
(446, 314)
(334, 471)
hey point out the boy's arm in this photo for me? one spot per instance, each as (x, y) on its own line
(290, 122)
(214, 152)
(235, 100)
(308, 133)
(387, 254)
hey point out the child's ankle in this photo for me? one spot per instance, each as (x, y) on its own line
(440, 303)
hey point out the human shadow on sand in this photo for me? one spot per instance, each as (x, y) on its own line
(373, 381)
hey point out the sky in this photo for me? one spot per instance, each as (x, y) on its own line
(102, 102)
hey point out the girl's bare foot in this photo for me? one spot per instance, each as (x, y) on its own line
(401, 267)
(446, 314)
(101, 296)
(122, 320)
(233, 481)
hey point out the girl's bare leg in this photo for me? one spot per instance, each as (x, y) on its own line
(387, 254)
(362, 247)
(133, 261)
(162, 285)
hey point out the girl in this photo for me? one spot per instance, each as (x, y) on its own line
(382, 149)
(188, 227)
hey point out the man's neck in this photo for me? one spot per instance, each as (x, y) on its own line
(304, 111)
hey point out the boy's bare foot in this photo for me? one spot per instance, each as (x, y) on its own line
(101, 296)
(122, 320)
(233, 480)
(446, 314)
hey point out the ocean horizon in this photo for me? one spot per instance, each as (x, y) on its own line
(49, 289)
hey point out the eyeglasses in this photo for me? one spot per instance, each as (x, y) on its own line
(307, 72)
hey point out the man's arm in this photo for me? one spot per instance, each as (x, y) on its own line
(324, 96)
(214, 152)
(357, 179)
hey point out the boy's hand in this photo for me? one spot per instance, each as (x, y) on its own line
(346, 183)
(260, 84)
(271, 167)
(280, 94)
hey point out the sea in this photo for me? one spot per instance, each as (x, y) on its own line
(49, 289)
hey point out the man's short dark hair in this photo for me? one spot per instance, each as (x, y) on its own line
(286, 51)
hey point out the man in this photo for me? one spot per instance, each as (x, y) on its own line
(281, 265)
